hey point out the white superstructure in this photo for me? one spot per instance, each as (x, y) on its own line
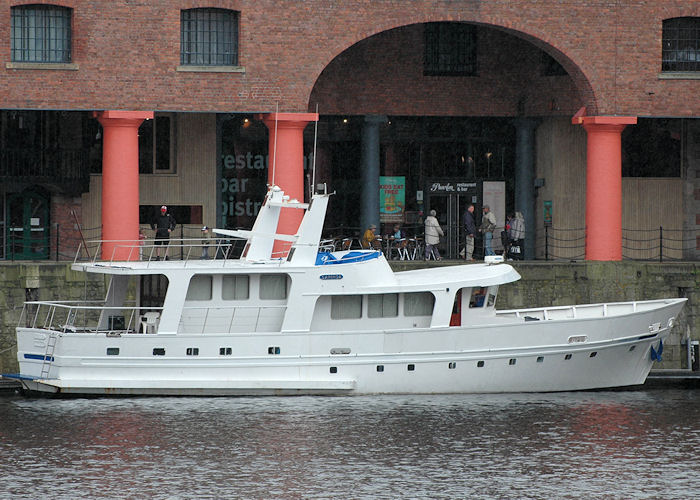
(324, 323)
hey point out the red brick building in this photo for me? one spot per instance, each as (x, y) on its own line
(581, 115)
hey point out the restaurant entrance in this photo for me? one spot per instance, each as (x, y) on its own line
(450, 198)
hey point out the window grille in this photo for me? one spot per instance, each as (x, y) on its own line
(450, 49)
(41, 34)
(209, 37)
(681, 44)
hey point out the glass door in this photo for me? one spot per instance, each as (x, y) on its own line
(28, 226)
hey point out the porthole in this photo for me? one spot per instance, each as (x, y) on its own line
(273, 350)
(632, 348)
(159, 351)
(334, 369)
(567, 357)
(452, 365)
(593, 354)
(479, 364)
(225, 351)
(540, 359)
(192, 351)
(411, 367)
(112, 351)
(380, 368)
(511, 362)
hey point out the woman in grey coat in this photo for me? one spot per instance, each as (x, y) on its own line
(433, 231)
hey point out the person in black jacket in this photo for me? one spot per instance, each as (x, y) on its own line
(470, 231)
(164, 224)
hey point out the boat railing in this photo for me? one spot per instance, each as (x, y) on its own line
(83, 317)
(151, 250)
(580, 311)
(232, 319)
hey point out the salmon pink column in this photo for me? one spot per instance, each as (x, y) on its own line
(604, 185)
(286, 166)
(120, 181)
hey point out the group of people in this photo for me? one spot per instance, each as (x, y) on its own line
(512, 236)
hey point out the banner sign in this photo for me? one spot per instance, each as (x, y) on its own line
(392, 198)
(451, 187)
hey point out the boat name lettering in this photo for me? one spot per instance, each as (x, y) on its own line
(331, 276)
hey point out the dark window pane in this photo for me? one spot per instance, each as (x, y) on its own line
(450, 49)
(162, 142)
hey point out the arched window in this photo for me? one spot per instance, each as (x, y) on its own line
(681, 44)
(41, 34)
(209, 37)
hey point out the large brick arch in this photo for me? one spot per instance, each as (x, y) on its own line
(382, 71)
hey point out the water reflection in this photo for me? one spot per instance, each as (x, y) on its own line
(637, 444)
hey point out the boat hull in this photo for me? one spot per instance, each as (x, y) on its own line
(504, 356)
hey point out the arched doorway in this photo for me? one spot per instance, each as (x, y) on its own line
(28, 226)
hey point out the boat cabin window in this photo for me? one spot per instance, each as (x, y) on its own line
(418, 304)
(478, 297)
(346, 306)
(200, 287)
(273, 286)
(236, 287)
(491, 300)
(153, 288)
(383, 305)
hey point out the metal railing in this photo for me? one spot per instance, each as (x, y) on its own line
(81, 316)
(551, 243)
(660, 244)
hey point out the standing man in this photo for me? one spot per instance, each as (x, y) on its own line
(205, 242)
(488, 225)
(163, 225)
(470, 231)
(517, 236)
(433, 231)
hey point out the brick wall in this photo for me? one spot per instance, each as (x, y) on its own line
(127, 53)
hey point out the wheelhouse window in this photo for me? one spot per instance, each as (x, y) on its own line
(200, 287)
(273, 286)
(209, 37)
(418, 304)
(346, 306)
(40, 34)
(478, 296)
(450, 49)
(235, 287)
(384, 305)
(681, 44)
